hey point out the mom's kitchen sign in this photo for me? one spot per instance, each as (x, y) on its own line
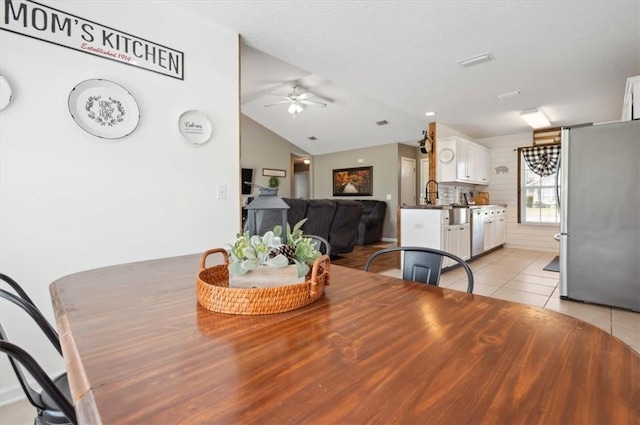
(54, 26)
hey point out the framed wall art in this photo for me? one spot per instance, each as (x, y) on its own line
(353, 181)
(271, 172)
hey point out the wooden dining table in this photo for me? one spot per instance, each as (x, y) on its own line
(139, 349)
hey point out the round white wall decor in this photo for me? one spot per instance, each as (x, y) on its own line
(195, 127)
(446, 155)
(104, 109)
(5, 93)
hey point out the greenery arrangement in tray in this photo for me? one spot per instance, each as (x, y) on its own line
(251, 252)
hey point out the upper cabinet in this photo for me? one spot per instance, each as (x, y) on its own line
(460, 160)
(631, 107)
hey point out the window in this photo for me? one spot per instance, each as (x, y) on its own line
(537, 167)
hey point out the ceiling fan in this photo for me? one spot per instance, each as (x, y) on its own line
(296, 101)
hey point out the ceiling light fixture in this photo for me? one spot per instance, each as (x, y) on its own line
(535, 118)
(476, 60)
(307, 161)
(295, 108)
(429, 114)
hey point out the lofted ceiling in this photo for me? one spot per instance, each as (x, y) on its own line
(395, 60)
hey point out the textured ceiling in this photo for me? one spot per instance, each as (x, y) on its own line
(395, 60)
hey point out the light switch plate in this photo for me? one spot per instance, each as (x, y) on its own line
(222, 191)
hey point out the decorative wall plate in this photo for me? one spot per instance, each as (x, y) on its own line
(104, 109)
(446, 155)
(5, 93)
(195, 127)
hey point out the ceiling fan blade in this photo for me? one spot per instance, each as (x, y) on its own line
(303, 96)
(312, 103)
(280, 96)
(278, 103)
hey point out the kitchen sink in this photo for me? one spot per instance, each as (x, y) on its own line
(459, 215)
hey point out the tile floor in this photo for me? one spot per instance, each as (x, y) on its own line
(517, 275)
(508, 273)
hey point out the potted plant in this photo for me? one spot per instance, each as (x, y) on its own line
(264, 261)
(274, 181)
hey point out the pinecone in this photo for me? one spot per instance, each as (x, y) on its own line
(288, 251)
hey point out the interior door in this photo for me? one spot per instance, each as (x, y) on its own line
(408, 181)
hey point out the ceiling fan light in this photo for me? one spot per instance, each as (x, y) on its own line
(295, 108)
(535, 118)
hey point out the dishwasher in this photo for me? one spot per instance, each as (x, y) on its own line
(477, 231)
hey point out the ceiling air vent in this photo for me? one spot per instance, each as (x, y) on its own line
(476, 60)
(313, 138)
(383, 122)
(509, 95)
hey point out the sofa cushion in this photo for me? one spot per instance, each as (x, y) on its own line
(297, 210)
(319, 215)
(372, 221)
(344, 229)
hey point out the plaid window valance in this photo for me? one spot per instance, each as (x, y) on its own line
(542, 160)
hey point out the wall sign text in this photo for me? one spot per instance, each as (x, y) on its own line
(54, 26)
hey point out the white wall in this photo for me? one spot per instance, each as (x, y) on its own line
(504, 190)
(71, 201)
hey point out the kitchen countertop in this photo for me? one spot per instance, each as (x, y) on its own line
(447, 207)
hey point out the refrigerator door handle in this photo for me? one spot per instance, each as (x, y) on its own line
(557, 184)
(564, 180)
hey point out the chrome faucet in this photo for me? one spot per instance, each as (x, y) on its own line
(437, 196)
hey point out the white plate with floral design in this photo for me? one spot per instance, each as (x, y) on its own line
(104, 109)
(5, 93)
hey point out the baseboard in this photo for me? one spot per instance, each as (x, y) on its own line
(389, 240)
(11, 395)
(14, 393)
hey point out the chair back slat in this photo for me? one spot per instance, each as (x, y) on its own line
(421, 264)
(56, 392)
(320, 243)
(59, 399)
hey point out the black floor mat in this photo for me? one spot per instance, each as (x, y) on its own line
(553, 266)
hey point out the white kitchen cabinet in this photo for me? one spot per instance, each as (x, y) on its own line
(494, 227)
(460, 160)
(458, 242)
(500, 231)
(484, 166)
(430, 228)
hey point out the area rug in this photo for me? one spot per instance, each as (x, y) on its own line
(553, 266)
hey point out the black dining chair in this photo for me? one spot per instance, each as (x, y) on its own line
(17, 288)
(320, 243)
(56, 409)
(50, 410)
(421, 264)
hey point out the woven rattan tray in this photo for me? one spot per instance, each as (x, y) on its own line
(214, 293)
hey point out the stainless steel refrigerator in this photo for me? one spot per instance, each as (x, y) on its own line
(600, 214)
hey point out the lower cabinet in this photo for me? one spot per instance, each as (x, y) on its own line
(494, 228)
(457, 241)
(430, 228)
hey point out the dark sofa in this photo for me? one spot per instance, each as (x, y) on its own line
(371, 221)
(336, 220)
